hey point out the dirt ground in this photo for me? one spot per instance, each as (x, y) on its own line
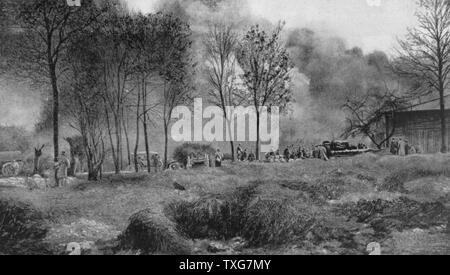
(345, 204)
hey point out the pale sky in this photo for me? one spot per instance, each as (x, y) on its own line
(369, 24)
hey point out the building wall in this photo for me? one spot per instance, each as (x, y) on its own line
(421, 128)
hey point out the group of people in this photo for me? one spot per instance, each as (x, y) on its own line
(401, 147)
(244, 155)
(293, 153)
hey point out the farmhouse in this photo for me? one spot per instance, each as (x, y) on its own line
(420, 125)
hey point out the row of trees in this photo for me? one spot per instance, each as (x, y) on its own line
(110, 71)
(104, 67)
(253, 72)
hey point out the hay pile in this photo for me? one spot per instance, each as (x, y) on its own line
(213, 216)
(152, 234)
(22, 229)
(248, 213)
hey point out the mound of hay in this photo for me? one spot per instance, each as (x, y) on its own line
(214, 216)
(152, 234)
(274, 222)
(22, 229)
(259, 218)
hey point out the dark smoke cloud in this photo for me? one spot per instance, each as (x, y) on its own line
(333, 72)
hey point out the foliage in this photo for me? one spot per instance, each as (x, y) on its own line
(266, 71)
(22, 229)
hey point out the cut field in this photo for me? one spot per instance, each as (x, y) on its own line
(305, 207)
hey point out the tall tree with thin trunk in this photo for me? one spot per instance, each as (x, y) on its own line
(175, 69)
(144, 41)
(83, 106)
(47, 28)
(266, 67)
(424, 55)
(118, 61)
(220, 46)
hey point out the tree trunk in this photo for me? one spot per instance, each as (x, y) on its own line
(232, 151)
(144, 113)
(443, 121)
(113, 151)
(136, 146)
(118, 145)
(147, 145)
(166, 146)
(127, 139)
(55, 116)
(258, 157)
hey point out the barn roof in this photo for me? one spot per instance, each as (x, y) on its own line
(426, 105)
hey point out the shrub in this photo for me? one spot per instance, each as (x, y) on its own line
(182, 152)
(22, 229)
(215, 216)
(242, 213)
(275, 222)
(151, 234)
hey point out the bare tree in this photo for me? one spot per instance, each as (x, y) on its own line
(176, 70)
(146, 71)
(425, 52)
(220, 45)
(367, 115)
(83, 104)
(117, 64)
(266, 67)
(47, 27)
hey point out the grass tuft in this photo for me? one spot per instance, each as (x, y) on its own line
(151, 234)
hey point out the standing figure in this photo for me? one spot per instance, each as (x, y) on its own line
(402, 147)
(61, 167)
(244, 156)
(323, 154)
(219, 158)
(239, 152)
(287, 154)
(394, 146)
(251, 157)
(156, 162)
